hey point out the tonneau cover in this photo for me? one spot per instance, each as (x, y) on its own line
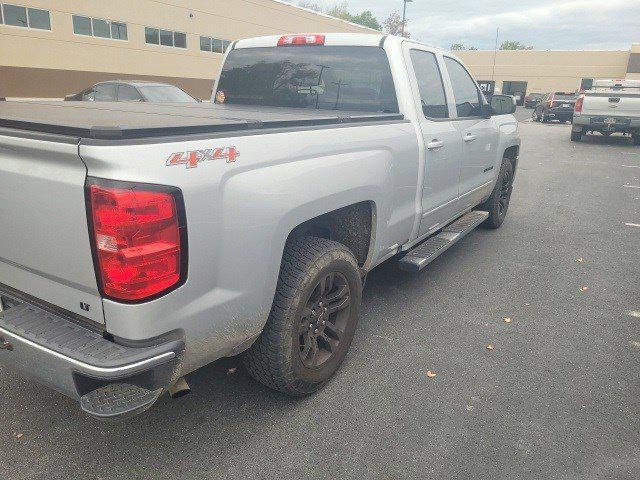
(139, 120)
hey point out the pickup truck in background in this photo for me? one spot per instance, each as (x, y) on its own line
(139, 242)
(610, 106)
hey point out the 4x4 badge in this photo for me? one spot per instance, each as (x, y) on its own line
(193, 157)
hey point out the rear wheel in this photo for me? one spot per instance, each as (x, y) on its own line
(543, 117)
(312, 320)
(498, 203)
(576, 136)
(636, 138)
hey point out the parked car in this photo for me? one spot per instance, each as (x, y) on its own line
(519, 96)
(532, 100)
(610, 106)
(180, 235)
(132, 91)
(555, 106)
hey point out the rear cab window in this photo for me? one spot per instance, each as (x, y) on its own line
(468, 97)
(346, 78)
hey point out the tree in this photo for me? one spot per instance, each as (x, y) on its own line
(341, 11)
(393, 25)
(310, 5)
(460, 46)
(367, 19)
(514, 45)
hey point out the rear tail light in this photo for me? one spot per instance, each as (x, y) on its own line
(139, 239)
(551, 101)
(577, 108)
(299, 40)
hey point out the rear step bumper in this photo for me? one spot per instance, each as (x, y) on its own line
(109, 380)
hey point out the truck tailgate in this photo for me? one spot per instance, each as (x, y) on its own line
(45, 250)
(614, 105)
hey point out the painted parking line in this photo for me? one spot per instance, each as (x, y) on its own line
(632, 225)
(630, 166)
(631, 186)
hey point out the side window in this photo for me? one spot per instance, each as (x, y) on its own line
(434, 101)
(105, 92)
(464, 90)
(126, 93)
(87, 95)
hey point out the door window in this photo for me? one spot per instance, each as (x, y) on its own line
(468, 98)
(105, 92)
(87, 95)
(126, 93)
(432, 96)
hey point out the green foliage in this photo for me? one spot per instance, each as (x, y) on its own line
(341, 11)
(514, 45)
(460, 46)
(367, 19)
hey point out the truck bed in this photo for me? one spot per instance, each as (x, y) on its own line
(120, 121)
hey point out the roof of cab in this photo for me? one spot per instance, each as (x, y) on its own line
(331, 39)
(336, 39)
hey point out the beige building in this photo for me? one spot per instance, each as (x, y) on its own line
(531, 71)
(51, 48)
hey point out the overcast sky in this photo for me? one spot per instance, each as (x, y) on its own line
(545, 24)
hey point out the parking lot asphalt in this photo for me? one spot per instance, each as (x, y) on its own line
(557, 396)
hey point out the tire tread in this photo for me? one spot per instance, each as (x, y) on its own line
(268, 360)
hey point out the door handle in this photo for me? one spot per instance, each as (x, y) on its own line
(470, 137)
(435, 144)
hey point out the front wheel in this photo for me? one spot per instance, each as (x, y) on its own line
(312, 320)
(498, 203)
(636, 138)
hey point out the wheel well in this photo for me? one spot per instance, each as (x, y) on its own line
(512, 154)
(350, 226)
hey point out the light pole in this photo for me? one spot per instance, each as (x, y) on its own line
(404, 16)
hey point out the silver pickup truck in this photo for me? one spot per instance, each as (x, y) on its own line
(141, 242)
(610, 106)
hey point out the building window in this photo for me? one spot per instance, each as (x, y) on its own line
(215, 45)
(18, 16)
(152, 35)
(39, 19)
(99, 27)
(118, 31)
(180, 40)
(205, 43)
(166, 38)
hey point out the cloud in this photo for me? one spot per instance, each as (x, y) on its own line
(546, 24)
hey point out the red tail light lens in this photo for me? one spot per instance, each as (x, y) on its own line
(299, 40)
(139, 239)
(578, 106)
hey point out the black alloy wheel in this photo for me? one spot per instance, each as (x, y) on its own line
(324, 320)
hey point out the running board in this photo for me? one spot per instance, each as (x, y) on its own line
(426, 252)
